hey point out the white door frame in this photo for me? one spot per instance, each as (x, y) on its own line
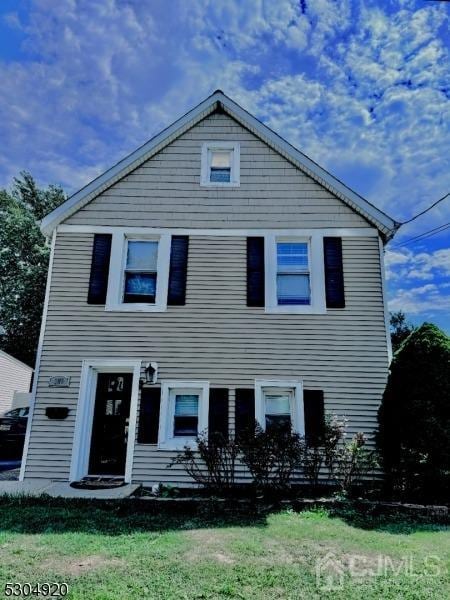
(85, 412)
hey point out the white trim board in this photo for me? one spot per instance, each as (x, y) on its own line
(85, 412)
(385, 305)
(218, 99)
(329, 231)
(23, 465)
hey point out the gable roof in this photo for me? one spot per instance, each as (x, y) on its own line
(218, 100)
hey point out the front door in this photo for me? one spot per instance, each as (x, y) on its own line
(110, 424)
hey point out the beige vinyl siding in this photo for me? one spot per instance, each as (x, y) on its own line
(15, 376)
(214, 337)
(165, 191)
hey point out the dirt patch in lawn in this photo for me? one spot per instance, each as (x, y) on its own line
(209, 544)
(221, 557)
(78, 566)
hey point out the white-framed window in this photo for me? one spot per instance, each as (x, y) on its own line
(141, 271)
(183, 414)
(280, 404)
(294, 274)
(138, 272)
(220, 164)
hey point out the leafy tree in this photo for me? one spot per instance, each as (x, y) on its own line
(24, 258)
(414, 418)
(400, 329)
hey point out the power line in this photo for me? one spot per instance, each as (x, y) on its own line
(426, 210)
(424, 235)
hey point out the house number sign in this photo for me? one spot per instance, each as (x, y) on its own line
(59, 381)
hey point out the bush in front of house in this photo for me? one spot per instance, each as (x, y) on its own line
(275, 456)
(271, 455)
(414, 418)
(321, 451)
(353, 462)
(331, 459)
(213, 462)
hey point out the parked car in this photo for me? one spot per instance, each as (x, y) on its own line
(13, 426)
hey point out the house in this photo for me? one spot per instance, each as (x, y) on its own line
(215, 275)
(15, 377)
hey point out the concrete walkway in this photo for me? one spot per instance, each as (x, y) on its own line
(61, 489)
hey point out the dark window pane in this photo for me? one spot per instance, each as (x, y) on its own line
(140, 287)
(278, 422)
(185, 426)
(221, 175)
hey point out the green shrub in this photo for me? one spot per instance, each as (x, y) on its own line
(212, 464)
(353, 463)
(414, 418)
(272, 455)
(323, 451)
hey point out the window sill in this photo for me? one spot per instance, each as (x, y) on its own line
(131, 307)
(296, 310)
(178, 444)
(219, 184)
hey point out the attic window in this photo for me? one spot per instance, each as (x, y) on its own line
(220, 169)
(220, 164)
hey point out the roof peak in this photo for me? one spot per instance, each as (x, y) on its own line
(379, 219)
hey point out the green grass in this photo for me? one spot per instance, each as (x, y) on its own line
(118, 552)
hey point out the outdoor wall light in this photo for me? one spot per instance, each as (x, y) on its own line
(151, 375)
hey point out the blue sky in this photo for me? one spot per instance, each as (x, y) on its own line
(361, 86)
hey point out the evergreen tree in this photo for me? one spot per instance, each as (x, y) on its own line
(414, 417)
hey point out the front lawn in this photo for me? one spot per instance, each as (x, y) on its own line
(116, 553)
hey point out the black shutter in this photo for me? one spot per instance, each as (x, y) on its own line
(149, 416)
(218, 412)
(334, 272)
(98, 281)
(314, 416)
(178, 270)
(244, 411)
(255, 271)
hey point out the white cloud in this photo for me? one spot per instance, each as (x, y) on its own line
(405, 264)
(362, 87)
(419, 282)
(100, 78)
(427, 301)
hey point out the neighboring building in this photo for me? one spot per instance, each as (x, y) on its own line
(15, 376)
(245, 275)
